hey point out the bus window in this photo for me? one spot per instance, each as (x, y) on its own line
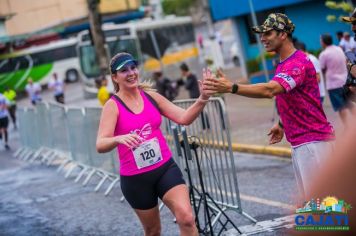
(123, 46)
(88, 62)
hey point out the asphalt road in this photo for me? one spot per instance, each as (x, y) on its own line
(36, 200)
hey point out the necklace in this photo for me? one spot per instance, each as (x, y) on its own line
(131, 99)
(137, 102)
(134, 100)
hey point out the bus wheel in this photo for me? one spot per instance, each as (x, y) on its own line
(72, 75)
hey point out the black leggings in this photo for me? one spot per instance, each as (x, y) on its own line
(143, 190)
(12, 112)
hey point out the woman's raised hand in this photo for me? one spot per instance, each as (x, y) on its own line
(130, 140)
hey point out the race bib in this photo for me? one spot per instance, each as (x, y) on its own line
(148, 153)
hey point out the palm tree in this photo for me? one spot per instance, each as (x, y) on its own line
(347, 207)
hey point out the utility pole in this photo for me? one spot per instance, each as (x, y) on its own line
(209, 21)
(98, 36)
(254, 20)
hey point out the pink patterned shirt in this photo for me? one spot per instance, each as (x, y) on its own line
(299, 107)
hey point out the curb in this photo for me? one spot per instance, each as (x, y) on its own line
(250, 148)
(258, 149)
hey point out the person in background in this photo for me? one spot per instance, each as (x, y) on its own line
(333, 65)
(4, 120)
(350, 86)
(103, 92)
(10, 95)
(190, 81)
(33, 91)
(339, 36)
(347, 43)
(295, 86)
(219, 39)
(58, 87)
(130, 122)
(164, 86)
(319, 74)
(200, 41)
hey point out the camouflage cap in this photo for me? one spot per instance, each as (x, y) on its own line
(350, 19)
(276, 21)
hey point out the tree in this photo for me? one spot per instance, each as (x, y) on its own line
(347, 207)
(343, 6)
(97, 35)
(177, 7)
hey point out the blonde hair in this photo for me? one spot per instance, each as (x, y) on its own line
(145, 85)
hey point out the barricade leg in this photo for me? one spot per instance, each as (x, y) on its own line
(36, 155)
(101, 182)
(111, 186)
(18, 151)
(65, 162)
(24, 153)
(49, 153)
(85, 169)
(70, 170)
(55, 156)
(89, 177)
(28, 155)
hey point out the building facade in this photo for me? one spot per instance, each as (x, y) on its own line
(29, 16)
(309, 16)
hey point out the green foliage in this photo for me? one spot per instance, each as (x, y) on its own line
(340, 5)
(177, 7)
(315, 52)
(266, 55)
(252, 66)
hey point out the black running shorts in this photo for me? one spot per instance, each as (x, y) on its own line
(4, 122)
(143, 190)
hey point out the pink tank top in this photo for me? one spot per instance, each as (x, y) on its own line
(153, 150)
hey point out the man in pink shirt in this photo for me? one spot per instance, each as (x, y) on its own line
(296, 89)
(333, 64)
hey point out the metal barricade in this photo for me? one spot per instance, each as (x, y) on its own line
(59, 128)
(45, 131)
(51, 131)
(106, 163)
(25, 150)
(103, 161)
(28, 132)
(78, 145)
(76, 135)
(44, 134)
(210, 133)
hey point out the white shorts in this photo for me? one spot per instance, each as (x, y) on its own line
(307, 160)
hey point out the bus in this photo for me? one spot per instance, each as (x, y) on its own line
(157, 44)
(39, 63)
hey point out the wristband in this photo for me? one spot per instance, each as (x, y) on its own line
(234, 88)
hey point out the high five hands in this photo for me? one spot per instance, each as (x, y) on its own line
(218, 82)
